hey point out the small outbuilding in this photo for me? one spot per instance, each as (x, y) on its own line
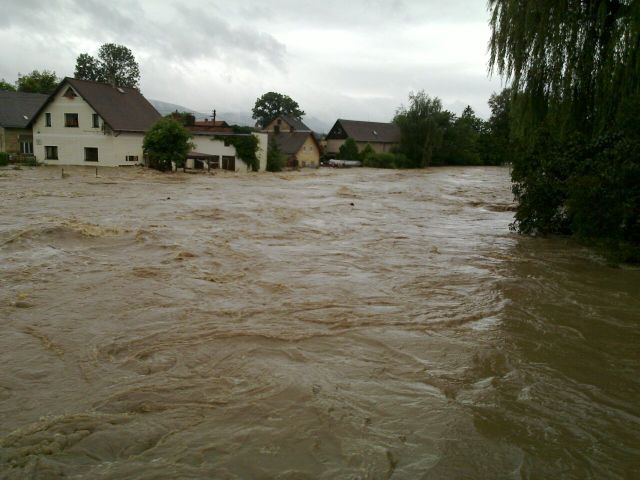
(17, 110)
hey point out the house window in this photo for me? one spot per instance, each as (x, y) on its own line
(70, 93)
(71, 120)
(51, 153)
(132, 158)
(90, 154)
(26, 147)
(96, 120)
(47, 119)
(276, 129)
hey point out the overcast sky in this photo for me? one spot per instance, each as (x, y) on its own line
(338, 59)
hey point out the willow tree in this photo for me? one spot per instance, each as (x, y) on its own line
(574, 69)
(577, 60)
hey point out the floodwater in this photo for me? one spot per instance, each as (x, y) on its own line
(358, 324)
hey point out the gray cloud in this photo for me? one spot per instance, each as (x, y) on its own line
(191, 32)
(336, 58)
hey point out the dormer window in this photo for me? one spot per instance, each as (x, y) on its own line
(70, 93)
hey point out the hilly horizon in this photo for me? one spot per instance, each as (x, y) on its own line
(233, 118)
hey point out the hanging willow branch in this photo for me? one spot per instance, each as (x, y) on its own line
(579, 58)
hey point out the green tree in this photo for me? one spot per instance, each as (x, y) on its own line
(4, 85)
(348, 150)
(422, 125)
(115, 64)
(574, 68)
(37, 81)
(366, 152)
(87, 68)
(272, 104)
(496, 142)
(184, 118)
(167, 142)
(275, 158)
(461, 141)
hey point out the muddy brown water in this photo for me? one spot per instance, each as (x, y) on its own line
(329, 324)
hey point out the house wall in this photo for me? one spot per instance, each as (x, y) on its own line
(333, 146)
(128, 144)
(71, 141)
(10, 138)
(209, 145)
(263, 145)
(308, 155)
(284, 126)
(377, 147)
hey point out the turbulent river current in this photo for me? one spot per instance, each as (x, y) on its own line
(357, 324)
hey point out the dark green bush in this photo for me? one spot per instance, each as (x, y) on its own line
(588, 188)
(349, 150)
(386, 160)
(275, 159)
(4, 159)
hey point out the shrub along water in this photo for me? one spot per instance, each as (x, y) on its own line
(574, 105)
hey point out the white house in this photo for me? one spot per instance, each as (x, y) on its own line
(212, 147)
(92, 123)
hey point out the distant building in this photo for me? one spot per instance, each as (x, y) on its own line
(286, 124)
(92, 123)
(17, 110)
(381, 136)
(301, 149)
(295, 140)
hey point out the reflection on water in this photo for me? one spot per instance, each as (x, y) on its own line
(329, 324)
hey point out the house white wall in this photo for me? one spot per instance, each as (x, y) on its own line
(263, 145)
(71, 141)
(210, 145)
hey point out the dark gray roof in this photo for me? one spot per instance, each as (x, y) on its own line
(297, 124)
(123, 109)
(291, 143)
(18, 108)
(374, 132)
